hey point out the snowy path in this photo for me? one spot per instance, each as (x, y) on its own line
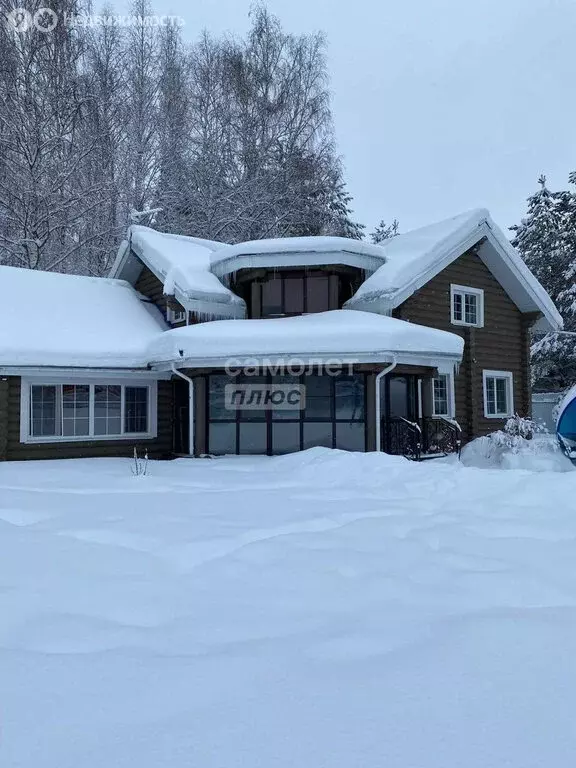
(317, 610)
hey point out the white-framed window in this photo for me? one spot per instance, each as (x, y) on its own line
(443, 395)
(466, 306)
(58, 410)
(498, 394)
(176, 315)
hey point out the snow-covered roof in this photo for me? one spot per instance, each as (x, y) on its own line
(296, 251)
(412, 259)
(53, 319)
(341, 334)
(183, 265)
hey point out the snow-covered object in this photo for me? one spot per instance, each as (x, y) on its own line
(412, 259)
(312, 244)
(53, 319)
(183, 264)
(335, 333)
(499, 451)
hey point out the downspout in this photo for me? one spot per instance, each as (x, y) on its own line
(190, 406)
(379, 378)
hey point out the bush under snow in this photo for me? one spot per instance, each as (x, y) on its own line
(522, 444)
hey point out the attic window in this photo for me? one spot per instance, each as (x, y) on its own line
(467, 306)
(176, 315)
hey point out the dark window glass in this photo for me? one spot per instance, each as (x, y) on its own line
(44, 412)
(253, 414)
(399, 397)
(317, 294)
(457, 306)
(75, 409)
(293, 295)
(285, 437)
(318, 397)
(222, 438)
(470, 308)
(317, 433)
(217, 406)
(252, 437)
(272, 297)
(135, 410)
(351, 437)
(107, 410)
(501, 396)
(440, 384)
(349, 398)
(286, 414)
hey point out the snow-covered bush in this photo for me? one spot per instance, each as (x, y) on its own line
(522, 444)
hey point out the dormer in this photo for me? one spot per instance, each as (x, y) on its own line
(295, 276)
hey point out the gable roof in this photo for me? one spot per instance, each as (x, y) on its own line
(413, 259)
(183, 265)
(73, 321)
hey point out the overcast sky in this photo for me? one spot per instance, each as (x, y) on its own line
(439, 105)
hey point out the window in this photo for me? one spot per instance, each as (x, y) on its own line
(71, 412)
(498, 394)
(442, 396)
(334, 416)
(293, 293)
(176, 315)
(467, 306)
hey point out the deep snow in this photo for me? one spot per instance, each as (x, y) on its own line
(319, 609)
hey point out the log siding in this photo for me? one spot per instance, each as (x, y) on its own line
(501, 344)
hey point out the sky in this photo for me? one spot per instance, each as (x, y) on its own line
(439, 105)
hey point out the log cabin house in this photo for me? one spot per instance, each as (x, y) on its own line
(192, 347)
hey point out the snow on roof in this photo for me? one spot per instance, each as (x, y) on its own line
(412, 254)
(339, 332)
(183, 263)
(416, 257)
(297, 251)
(70, 320)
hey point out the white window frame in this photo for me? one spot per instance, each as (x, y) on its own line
(176, 315)
(25, 397)
(509, 377)
(451, 400)
(462, 290)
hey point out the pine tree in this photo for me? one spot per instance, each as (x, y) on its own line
(384, 231)
(546, 239)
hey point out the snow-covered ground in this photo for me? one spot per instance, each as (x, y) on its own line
(316, 610)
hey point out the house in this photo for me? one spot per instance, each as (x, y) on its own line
(194, 347)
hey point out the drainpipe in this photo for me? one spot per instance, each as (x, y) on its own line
(190, 407)
(379, 378)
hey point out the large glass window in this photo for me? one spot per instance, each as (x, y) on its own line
(333, 416)
(76, 411)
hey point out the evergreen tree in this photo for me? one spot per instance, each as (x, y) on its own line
(546, 239)
(384, 231)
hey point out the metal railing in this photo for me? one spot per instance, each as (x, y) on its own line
(425, 438)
